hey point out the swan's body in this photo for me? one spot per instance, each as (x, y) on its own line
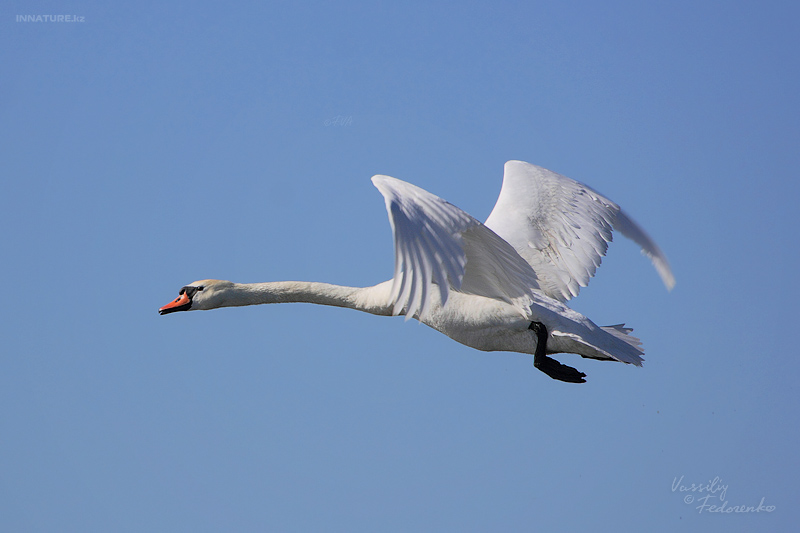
(498, 286)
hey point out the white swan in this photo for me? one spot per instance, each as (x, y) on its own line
(498, 286)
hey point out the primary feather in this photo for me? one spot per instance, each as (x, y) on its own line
(562, 228)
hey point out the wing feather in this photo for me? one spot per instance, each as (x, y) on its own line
(562, 228)
(439, 247)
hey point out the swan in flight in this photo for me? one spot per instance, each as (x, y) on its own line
(494, 286)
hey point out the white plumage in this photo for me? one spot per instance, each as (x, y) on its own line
(501, 285)
(562, 228)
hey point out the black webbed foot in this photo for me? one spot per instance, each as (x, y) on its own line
(548, 365)
(556, 370)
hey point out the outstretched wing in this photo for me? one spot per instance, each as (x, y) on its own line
(562, 228)
(438, 246)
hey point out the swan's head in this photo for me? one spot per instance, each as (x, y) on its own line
(203, 294)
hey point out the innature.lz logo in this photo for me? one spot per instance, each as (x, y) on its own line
(51, 18)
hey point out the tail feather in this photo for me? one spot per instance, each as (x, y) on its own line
(622, 333)
(617, 345)
(572, 332)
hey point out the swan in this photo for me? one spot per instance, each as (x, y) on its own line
(501, 285)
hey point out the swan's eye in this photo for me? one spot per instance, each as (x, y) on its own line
(200, 288)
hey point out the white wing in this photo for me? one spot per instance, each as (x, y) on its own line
(438, 244)
(562, 228)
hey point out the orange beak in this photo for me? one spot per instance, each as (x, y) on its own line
(181, 303)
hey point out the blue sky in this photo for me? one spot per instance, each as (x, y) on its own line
(152, 145)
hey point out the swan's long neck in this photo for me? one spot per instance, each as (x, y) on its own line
(373, 300)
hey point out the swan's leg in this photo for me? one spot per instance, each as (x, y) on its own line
(550, 366)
